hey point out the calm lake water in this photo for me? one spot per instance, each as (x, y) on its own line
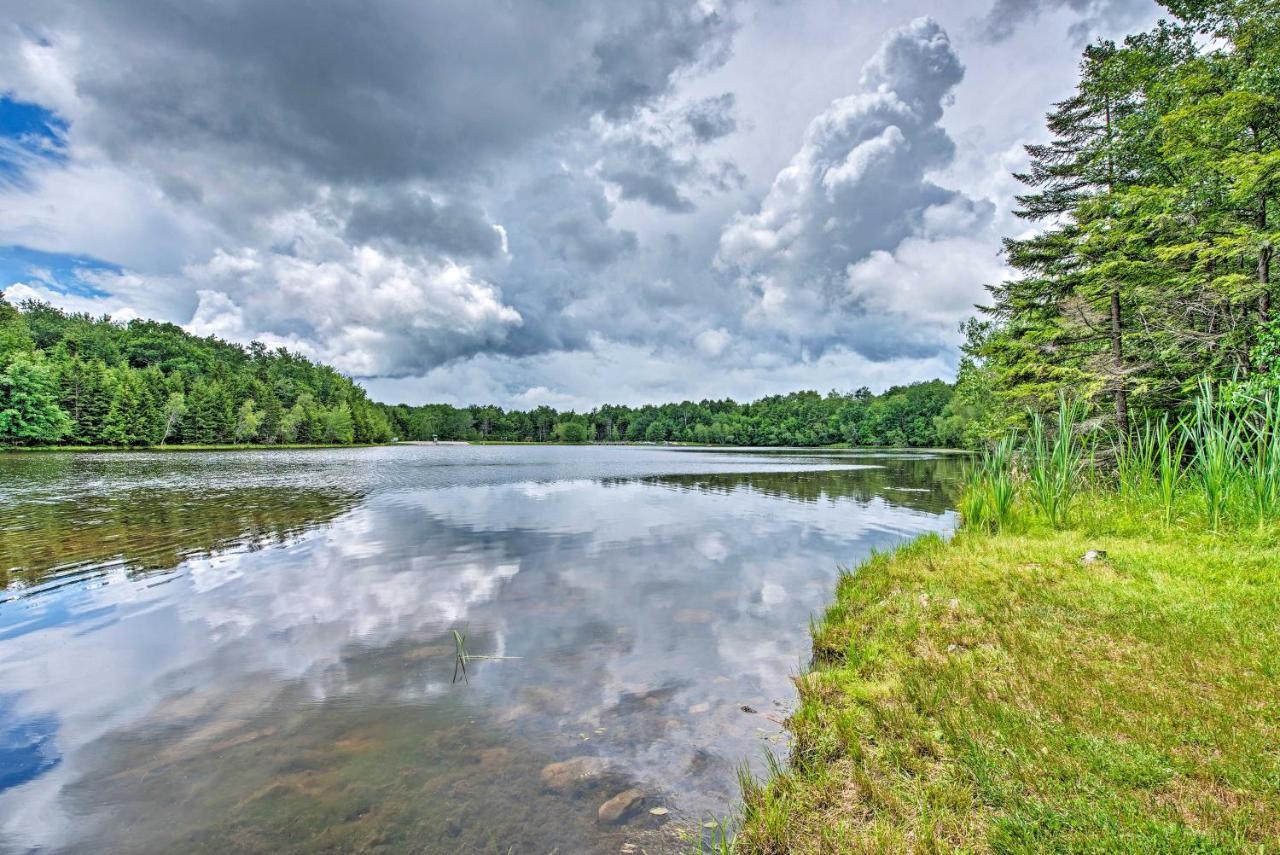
(254, 652)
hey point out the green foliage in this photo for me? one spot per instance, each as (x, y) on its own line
(210, 413)
(29, 411)
(336, 425)
(1158, 196)
(976, 415)
(302, 423)
(175, 407)
(271, 418)
(1136, 454)
(135, 415)
(87, 389)
(571, 432)
(15, 335)
(1264, 380)
(146, 383)
(1171, 443)
(917, 415)
(248, 419)
(1148, 287)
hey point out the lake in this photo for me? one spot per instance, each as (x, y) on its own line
(202, 652)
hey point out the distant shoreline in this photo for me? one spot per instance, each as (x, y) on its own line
(118, 449)
(644, 444)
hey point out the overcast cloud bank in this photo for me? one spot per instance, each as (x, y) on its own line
(547, 202)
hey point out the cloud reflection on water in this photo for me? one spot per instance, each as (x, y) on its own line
(649, 608)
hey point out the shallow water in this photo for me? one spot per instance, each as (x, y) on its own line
(254, 651)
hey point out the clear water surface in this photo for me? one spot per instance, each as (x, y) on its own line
(204, 652)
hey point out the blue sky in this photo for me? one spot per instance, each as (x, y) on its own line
(28, 131)
(563, 202)
(32, 135)
(59, 271)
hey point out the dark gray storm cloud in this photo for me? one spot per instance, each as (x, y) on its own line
(712, 118)
(351, 90)
(1008, 15)
(566, 216)
(414, 221)
(646, 45)
(655, 159)
(649, 173)
(367, 147)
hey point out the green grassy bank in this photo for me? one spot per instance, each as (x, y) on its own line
(1000, 693)
(996, 693)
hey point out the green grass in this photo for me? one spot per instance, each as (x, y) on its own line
(990, 487)
(996, 694)
(1055, 458)
(1216, 438)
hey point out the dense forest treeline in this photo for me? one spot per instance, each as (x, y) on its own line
(917, 415)
(1157, 199)
(76, 380)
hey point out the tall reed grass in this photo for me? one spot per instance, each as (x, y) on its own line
(1171, 445)
(1055, 461)
(1136, 457)
(1218, 464)
(990, 487)
(1261, 473)
(1216, 440)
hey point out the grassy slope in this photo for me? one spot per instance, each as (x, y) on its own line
(997, 694)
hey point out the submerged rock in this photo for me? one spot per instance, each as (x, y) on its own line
(569, 775)
(701, 761)
(620, 807)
